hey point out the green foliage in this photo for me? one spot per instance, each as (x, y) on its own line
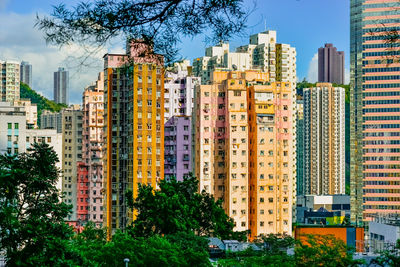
(174, 250)
(389, 258)
(311, 251)
(41, 102)
(326, 250)
(32, 228)
(178, 207)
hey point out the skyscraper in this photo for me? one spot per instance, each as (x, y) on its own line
(61, 86)
(26, 73)
(178, 102)
(330, 65)
(375, 108)
(324, 140)
(300, 147)
(10, 83)
(244, 147)
(134, 128)
(90, 169)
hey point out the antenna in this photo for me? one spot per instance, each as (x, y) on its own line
(265, 25)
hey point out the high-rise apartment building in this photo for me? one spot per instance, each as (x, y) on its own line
(134, 123)
(90, 169)
(61, 86)
(67, 122)
(300, 147)
(324, 140)
(178, 101)
(10, 83)
(262, 53)
(178, 147)
(51, 120)
(179, 90)
(375, 108)
(26, 73)
(72, 153)
(244, 148)
(330, 65)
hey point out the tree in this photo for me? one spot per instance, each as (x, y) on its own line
(159, 22)
(174, 250)
(178, 207)
(273, 252)
(324, 250)
(389, 257)
(32, 228)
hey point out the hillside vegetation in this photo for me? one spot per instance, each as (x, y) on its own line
(42, 102)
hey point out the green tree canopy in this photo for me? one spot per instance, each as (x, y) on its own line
(32, 228)
(178, 207)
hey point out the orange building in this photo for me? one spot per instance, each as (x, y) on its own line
(352, 236)
(134, 128)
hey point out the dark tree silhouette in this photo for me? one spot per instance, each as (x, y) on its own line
(161, 23)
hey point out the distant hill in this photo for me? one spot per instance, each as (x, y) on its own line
(42, 102)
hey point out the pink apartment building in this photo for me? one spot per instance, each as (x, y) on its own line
(90, 170)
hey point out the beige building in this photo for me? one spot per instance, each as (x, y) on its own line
(324, 140)
(10, 80)
(31, 112)
(244, 149)
(72, 153)
(68, 122)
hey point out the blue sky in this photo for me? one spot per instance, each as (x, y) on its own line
(304, 24)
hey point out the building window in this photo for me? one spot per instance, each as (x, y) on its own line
(261, 223)
(9, 125)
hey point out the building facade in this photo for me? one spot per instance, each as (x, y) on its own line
(90, 169)
(244, 147)
(61, 86)
(324, 140)
(330, 65)
(300, 147)
(51, 120)
(134, 123)
(10, 80)
(12, 129)
(30, 110)
(179, 90)
(178, 147)
(26, 73)
(375, 108)
(72, 153)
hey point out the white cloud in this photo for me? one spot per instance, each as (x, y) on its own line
(19, 40)
(312, 75)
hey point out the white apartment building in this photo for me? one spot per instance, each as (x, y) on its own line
(324, 140)
(16, 138)
(179, 90)
(10, 80)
